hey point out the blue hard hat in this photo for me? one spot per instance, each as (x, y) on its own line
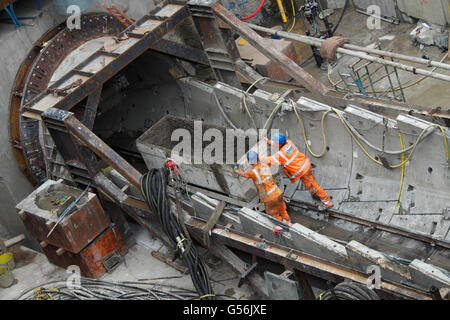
(279, 138)
(252, 157)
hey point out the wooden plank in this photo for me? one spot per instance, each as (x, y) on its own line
(169, 262)
(212, 221)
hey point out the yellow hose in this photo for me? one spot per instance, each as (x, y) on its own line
(304, 132)
(402, 177)
(293, 16)
(248, 111)
(404, 161)
(282, 12)
(273, 112)
(245, 103)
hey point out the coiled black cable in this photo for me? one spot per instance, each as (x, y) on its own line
(154, 190)
(349, 291)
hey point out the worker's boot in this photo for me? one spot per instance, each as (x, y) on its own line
(324, 207)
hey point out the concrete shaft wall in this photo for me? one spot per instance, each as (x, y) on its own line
(15, 45)
(435, 11)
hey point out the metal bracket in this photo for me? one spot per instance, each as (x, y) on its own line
(111, 261)
(211, 222)
(246, 274)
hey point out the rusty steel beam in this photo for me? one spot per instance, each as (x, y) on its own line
(218, 43)
(102, 150)
(239, 267)
(91, 107)
(290, 67)
(181, 51)
(34, 76)
(297, 259)
(120, 61)
(108, 188)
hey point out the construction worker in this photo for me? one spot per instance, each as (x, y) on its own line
(296, 165)
(268, 191)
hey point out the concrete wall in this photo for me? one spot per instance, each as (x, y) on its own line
(387, 6)
(359, 186)
(15, 45)
(435, 11)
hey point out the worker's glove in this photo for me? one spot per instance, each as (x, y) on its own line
(330, 46)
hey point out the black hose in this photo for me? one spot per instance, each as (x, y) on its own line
(340, 18)
(271, 120)
(350, 291)
(154, 191)
(334, 31)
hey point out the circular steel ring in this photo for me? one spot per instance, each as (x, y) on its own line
(34, 76)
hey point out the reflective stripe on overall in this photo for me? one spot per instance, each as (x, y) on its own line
(267, 189)
(293, 162)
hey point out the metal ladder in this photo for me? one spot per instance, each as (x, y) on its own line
(365, 78)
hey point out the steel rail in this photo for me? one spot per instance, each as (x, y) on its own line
(379, 226)
(297, 259)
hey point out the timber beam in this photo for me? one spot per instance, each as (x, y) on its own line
(317, 88)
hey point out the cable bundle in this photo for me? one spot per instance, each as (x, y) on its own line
(92, 289)
(349, 291)
(154, 191)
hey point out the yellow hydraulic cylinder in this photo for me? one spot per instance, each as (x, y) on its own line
(282, 12)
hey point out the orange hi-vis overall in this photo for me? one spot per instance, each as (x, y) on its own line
(268, 191)
(296, 165)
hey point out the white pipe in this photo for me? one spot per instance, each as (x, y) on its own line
(347, 49)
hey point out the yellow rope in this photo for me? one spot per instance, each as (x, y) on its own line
(273, 112)
(207, 295)
(321, 295)
(410, 154)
